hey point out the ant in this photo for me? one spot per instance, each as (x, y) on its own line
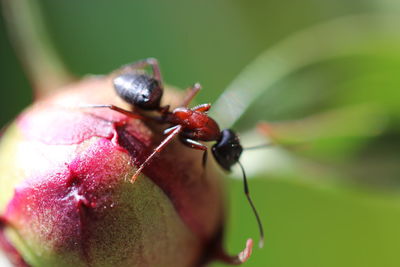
(191, 125)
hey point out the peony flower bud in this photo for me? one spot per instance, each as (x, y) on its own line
(66, 197)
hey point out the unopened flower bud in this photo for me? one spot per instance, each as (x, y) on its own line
(66, 198)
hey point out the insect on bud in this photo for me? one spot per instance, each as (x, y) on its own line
(66, 197)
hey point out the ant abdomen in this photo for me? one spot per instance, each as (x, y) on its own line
(139, 90)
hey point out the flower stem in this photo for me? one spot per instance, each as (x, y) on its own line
(29, 35)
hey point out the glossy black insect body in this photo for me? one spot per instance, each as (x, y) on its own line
(139, 89)
(227, 150)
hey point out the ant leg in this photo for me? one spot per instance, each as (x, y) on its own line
(199, 146)
(158, 149)
(115, 108)
(141, 64)
(202, 108)
(192, 92)
(169, 130)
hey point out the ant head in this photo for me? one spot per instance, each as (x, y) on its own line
(139, 89)
(227, 150)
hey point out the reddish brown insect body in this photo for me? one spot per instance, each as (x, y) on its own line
(195, 123)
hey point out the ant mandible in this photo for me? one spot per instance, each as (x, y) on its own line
(192, 125)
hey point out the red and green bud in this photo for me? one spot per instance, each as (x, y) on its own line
(66, 197)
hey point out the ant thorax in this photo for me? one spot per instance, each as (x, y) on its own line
(196, 125)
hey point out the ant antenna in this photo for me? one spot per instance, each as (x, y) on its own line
(257, 146)
(247, 193)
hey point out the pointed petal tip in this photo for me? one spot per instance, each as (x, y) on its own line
(242, 257)
(246, 253)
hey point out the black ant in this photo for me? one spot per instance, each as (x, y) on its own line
(192, 125)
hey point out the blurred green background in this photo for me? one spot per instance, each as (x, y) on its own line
(325, 75)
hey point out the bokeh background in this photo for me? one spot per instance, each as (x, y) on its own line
(325, 75)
